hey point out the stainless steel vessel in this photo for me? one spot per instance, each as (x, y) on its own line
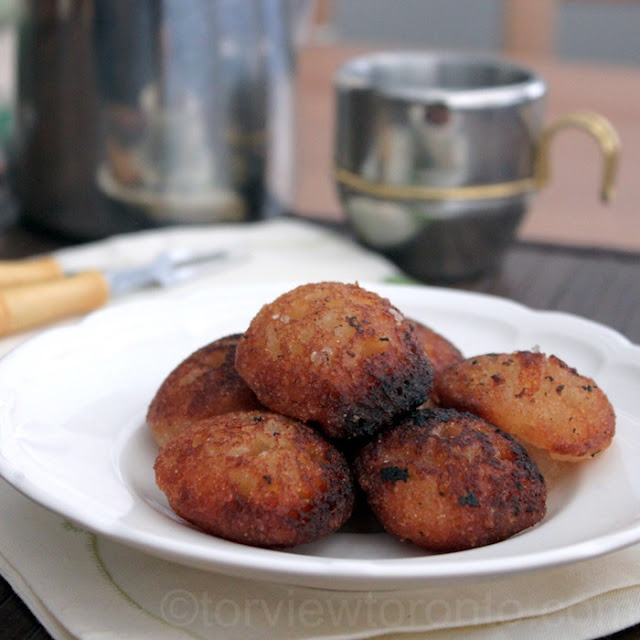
(137, 113)
(438, 153)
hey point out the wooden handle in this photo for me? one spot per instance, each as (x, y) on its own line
(17, 272)
(32, 305)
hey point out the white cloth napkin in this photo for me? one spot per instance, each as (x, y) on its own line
(84, 586)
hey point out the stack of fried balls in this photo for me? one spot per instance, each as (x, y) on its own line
(333, 399)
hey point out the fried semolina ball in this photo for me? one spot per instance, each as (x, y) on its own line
(336, 355)
(256, 478)
(205, 384)
(441, 351)
(537, 398)
(449, 481)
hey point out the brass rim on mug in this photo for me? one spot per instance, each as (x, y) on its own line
(423, 192)
(593, 123)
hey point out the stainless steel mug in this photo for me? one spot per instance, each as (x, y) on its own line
(137, 113)
(438, 153)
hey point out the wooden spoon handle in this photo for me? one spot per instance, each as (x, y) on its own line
(28, 306)
(17, 272)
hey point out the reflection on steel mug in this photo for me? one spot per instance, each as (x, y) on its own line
(438, 154)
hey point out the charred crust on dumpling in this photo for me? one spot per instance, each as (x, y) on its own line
(448, 480)
(337, 356)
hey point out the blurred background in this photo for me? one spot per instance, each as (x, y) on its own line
(589, 30)
(588, 51)
(7, 89)
(601, 33)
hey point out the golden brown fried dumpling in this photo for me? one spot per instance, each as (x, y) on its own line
(537, 398)
(256, 478)
(441, 351)
(449, 481)
(205, 384)
(335, 355)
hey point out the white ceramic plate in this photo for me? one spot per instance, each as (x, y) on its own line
(73, 437)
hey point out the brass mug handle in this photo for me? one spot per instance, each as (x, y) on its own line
(599, 128)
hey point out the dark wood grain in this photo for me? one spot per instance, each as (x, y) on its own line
(596, 284)
(600, 285)
(16, 620)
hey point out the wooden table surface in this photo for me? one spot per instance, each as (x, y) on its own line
(593, 282)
